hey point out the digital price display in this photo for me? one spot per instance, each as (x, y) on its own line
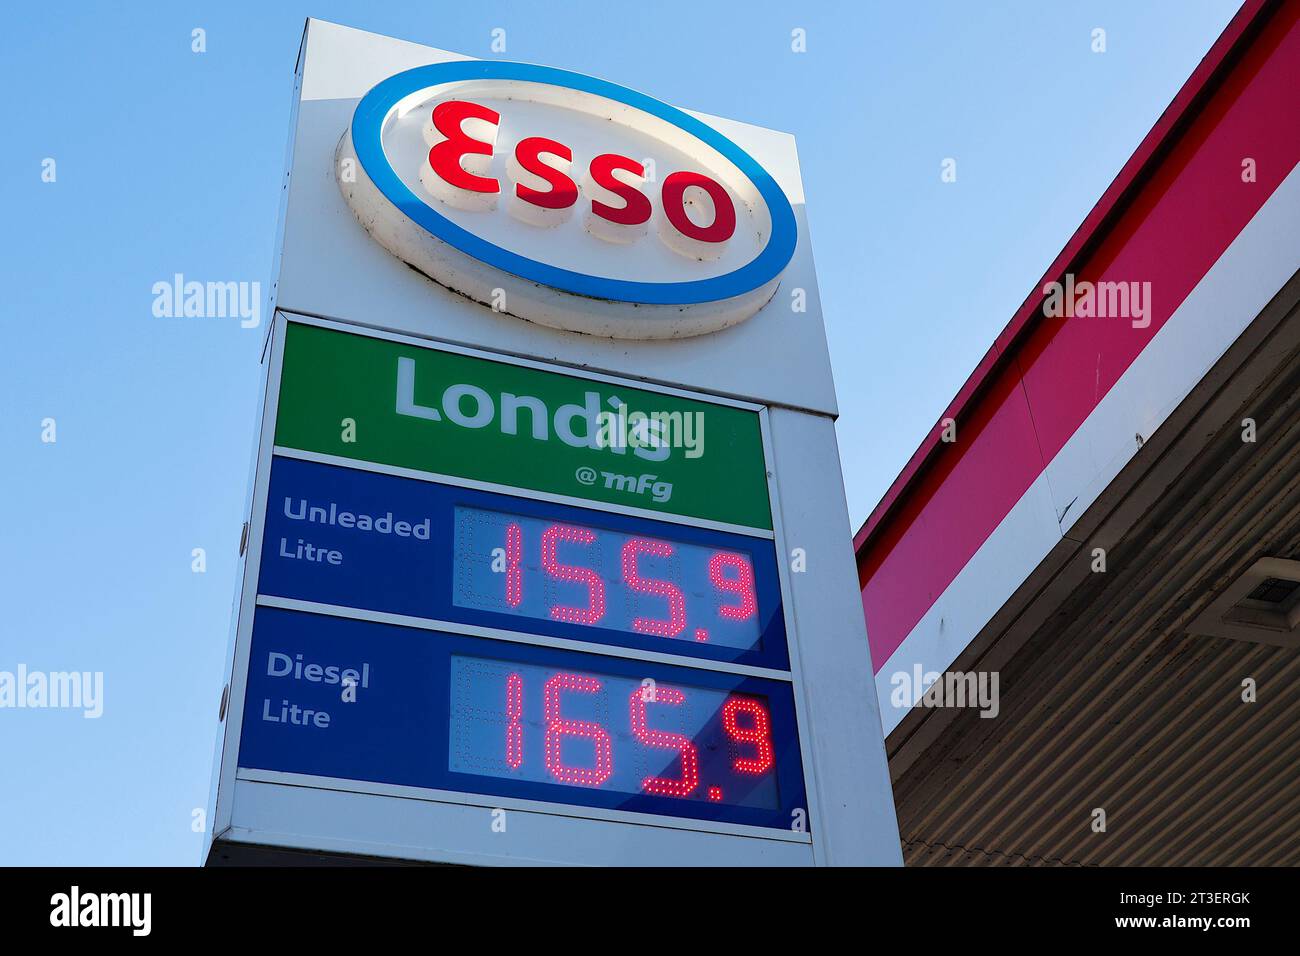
(448, 712)
(613, 733)
(590, 576)
(351, 538)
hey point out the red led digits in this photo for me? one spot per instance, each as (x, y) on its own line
(514, 575)
(664, 740)
(676, 622)
(595, 608)
(514, 727)
(631, 580)
(557, 728)
(741, 583)
(760, 734)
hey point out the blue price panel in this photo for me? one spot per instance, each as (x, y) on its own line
(358, 539)
(357, 700)
(544, 570)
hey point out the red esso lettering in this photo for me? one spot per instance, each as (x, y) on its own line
(675, 201)
(456, 166)
(546, 163)
(563, 192)
(698, 213)
(636, 207)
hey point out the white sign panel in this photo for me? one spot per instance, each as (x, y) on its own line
(549, 560)
(566, 200)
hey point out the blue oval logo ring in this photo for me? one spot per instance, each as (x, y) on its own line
(367, 140)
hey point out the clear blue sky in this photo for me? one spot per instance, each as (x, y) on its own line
(170, 161)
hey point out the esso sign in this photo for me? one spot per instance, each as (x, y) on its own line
(565, 200)
(544, 193)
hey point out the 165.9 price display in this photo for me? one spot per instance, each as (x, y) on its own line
(610, 732)
(448, 712)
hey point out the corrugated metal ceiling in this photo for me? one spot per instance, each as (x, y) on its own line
(1112, 704)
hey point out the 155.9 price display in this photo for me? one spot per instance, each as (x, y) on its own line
(350, 538)
(599, 577)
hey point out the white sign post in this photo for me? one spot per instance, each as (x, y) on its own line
(549, 558)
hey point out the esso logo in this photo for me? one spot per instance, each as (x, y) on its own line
(544, 193)
(566, 200)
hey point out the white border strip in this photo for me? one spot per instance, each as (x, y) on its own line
(513, 803)
(520, 637)
(803, 725)
(224, 817)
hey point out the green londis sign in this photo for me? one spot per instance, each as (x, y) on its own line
(430, 410)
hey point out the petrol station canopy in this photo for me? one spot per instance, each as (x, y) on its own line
(1107, 516)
